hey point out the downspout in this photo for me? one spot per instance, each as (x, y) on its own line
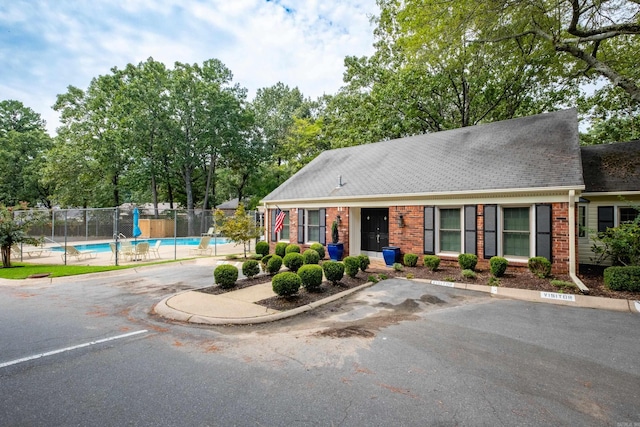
(266, 236)
(572, 243)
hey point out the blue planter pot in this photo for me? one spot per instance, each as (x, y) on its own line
(336, 250)
(391, 255)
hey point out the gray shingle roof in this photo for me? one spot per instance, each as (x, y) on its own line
(529, 152)
(612, 167)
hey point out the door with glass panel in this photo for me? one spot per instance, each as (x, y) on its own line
(375, 229)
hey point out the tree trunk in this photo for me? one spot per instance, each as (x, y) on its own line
(6, 256)
(210, 175)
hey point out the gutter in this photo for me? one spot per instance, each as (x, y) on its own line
(572, 243)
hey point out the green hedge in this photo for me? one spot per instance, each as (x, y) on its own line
(281, 249)
(351, 265)
(293, 261)
(274, 264)
(539, 266)
(622, 278)
(292, 247)
(364, 262)
(333, 271)
(468, 261)
(311, 256)
(286, 283)
(498, 265)
(250, 268)
(318, 248)
(410, 260)
(432, 262)
(311, 276)
(226, 276)
(262, 248)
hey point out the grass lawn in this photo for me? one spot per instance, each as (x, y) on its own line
(21, 270)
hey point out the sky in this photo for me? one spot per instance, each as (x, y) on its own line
(48, 45)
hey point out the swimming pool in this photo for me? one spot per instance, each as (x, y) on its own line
(179, 241)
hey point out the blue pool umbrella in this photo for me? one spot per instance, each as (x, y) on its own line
(136, 218)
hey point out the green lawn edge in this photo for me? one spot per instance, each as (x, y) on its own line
(21, 270)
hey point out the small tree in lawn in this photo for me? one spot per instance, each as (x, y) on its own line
(14, 230)
(238, 228)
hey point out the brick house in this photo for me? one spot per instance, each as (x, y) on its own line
(508, 188)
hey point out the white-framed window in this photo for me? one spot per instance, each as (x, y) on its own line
(284, 233)
(627, 214)
(312, 225)
(582, 221)
(450, 230)
(516, 228)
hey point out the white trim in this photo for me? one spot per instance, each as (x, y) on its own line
(513, 192)
(611, 193)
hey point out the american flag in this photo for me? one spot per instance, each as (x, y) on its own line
(280, 215)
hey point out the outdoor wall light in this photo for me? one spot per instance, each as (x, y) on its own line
(401, 221)
(338, 219)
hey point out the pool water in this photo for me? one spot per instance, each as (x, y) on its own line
(180, 241)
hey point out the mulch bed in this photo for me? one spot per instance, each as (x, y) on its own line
(522, 279)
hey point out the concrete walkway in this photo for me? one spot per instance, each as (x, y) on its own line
(238, 307)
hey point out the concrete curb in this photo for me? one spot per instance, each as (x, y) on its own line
(571, 300)
(163, 309)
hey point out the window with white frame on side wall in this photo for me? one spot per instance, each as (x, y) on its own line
(613, 216)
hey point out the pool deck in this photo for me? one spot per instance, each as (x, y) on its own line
(167, 252)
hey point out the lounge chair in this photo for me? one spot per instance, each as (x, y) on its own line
(30, 251)
(203, 248)
(72, 251)
(210, 232)
(155, 249)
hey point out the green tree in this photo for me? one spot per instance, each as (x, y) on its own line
(588, 38)
(13, 229)
(23, 146)
(240, 228)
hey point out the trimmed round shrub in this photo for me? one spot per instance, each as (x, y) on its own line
(432, 262)
(311, 276)
(292, 248)
(226, 275)
(333, 271)
(286, 283)
(318, 248)
(364, 262)
(410, 260)
(397, 266)
(539, 266)
(467, 261)
(262, 248)
(281, 249)
(265, 260)
(622, 278)
(250, 268)
(311, 257)
(293, 261)
(351, 265)
(274, 264)
(498, 265)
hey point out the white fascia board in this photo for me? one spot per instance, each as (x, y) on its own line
(513, 195)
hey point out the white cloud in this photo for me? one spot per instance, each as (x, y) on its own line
(47, 46)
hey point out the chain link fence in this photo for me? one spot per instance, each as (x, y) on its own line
(65, 227)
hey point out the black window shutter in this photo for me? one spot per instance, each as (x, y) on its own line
(274, 237)
(300, 225)
(490, 231)
(323, 226)
(543, 231)
(470, 229)
(605, 218)
(429, 232)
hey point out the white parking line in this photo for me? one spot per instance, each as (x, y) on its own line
(75, 347)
